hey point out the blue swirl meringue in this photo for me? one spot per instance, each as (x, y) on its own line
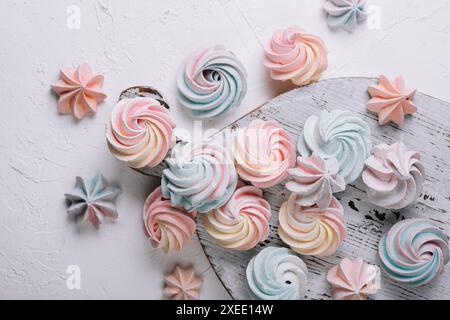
(345, 14)
(341, 135)
(211, 82)
(414, 252)
(199, 177)
(277, 274)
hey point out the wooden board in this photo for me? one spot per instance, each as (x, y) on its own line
(427, 131)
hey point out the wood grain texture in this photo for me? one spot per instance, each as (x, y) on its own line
(427, 132)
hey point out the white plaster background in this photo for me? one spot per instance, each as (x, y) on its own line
(139, 42)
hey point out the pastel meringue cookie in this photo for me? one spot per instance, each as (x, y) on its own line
(292, 54)
(354, 279)
(312, 231)
(391, 100)
(169, 228)
(263, 153)
(93, 200)
(345, 14)
(211, 82)
(242, 222)
(394, 176)
(414, 252)
(341, 135)
(315, 180)
(139, 132)
(183, 284)
(277, 274)
(199, 177)
(80, 91)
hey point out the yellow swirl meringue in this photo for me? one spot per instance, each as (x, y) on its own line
(242, 222)
(311, 230)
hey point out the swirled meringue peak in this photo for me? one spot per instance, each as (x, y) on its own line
(93, 200)
(169, 228)
(80, 91)
(394, 176)
(414, 252)
(391, 100)
(140, 132)
(211, 82)
(277, 274)
(341, 135)
(354, 279)
(311, 230)
(315, 180)
(295, 55)
(199, 177)
(264, 152)
(183, 284)
(242, 222)
(345, 14)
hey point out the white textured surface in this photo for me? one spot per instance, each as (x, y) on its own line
(137, 43)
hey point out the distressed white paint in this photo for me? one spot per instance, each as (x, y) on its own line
(427, 131)
(141, 42)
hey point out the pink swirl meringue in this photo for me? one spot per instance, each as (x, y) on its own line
(140, 132)
(315, 180)
(391, 100)
(394, 176)
(295, 55)
(264, 152)
(354, 279)
(242, 222)
(169, 228)
(79, 90)
(310, 230)
(183, 284)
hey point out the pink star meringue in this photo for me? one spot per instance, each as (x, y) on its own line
(169, 228)
(183, 284)
(264, 151)
(292, 54)
(394, 176)
(242, 222)
(80, 91)
(391, 100)
(310, 230)
(315, 180)
(354, 279)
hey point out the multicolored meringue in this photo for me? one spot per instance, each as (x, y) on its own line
(211, 82)
(277, 274)
(310, 230)
(391, 100)
(353, 279)
(93, 200)
(345, 14)
(242, 222)
(199, 177)
(394, 176)
(80, 91)
(140, 132)
(264, 152)
(183, 284)
(341, 135)
(169, 228)
(315, 180)
(414, 252)
(295, 55)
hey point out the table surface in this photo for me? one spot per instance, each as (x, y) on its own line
(143, 43)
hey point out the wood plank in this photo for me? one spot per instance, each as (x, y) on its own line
(427, 132)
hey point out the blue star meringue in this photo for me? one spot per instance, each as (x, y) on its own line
(93, 200)
(345, 14)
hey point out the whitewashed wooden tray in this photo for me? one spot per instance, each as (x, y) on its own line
(427, 131)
